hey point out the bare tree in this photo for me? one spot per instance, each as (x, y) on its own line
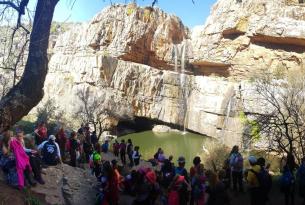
(27, 93)
(96, 109)
(4, 85)
(282, 120)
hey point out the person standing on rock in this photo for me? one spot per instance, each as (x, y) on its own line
(123, 152)
(130, 152)
(61, 139)
(236, 163)
(73, 149)
(41, 133)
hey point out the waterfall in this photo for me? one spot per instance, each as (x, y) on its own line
(183, 87)
(179, 52)
(176, 57)
(227, 115)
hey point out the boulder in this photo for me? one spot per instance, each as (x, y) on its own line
(67, 185)
(161, 128)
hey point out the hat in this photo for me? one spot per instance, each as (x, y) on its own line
(252, 159)
(52, 137)
(181, 159)
(151, 176)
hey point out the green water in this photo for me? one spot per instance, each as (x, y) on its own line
(173, 143)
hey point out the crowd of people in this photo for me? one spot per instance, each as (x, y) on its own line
(164, 181)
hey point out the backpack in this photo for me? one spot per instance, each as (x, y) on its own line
(286, 180)
(264, 180)
(49, 152)
(197, 188)
(237, 162)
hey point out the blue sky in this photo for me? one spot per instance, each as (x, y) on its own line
(191, 14)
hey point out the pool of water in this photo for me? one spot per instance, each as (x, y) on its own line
(173, 143)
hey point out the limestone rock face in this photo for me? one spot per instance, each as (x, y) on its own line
(67, 185)
(150, 66)
(142, 35)
(241, 38)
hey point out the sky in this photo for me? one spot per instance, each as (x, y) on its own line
(83, 10)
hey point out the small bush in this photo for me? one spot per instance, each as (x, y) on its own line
(214, 155)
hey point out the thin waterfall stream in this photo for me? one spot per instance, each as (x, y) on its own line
(180, 51)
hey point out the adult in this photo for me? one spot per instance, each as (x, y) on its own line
(301, 180)
(130, 152)
(264, 179)
(136, 156)
(73, 149)
(8, 160)
(94, 138)
(216, 190)
(288, 180)
(256, 197)
(156, 155)
(168, 173)
(116, 148)
(117, 175)
(226, 173)
(123, 152)
(110, 184)
(196, 164)
(50, 150)
(87, 148)
(178, 191)
(23, 166)
(95, 161)
(61, 139)
(33, 155)
(180, 170)
(161, 156)
(105, 146)
(236, 163)
(41, 133)
(198, 186)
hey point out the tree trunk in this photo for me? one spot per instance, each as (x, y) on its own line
(28, 92)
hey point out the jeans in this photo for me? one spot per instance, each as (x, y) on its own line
(237, 179)
(123, 157)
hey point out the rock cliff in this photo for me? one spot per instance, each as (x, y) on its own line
(162, 71)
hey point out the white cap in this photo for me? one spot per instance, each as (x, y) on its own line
(52, 137)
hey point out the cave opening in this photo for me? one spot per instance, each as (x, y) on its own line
(140, 124)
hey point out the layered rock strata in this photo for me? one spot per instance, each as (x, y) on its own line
(161, 71)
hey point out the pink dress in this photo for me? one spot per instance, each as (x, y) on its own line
(22, 160)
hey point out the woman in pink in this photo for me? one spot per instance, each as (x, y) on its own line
(22, 160)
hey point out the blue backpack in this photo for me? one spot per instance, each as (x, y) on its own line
(286, 180)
